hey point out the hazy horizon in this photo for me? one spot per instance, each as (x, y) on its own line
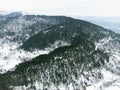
(107, 8)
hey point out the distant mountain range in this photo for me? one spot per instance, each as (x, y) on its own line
(112, 23)
(39, 52)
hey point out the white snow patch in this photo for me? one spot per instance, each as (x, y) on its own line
(61, 26)
(10, 56)
(62, 87)
(107, 75)
(90, 88)
(102, 42)
(59, 43)
(113, 88)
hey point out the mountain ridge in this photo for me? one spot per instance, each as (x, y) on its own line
(81, 55)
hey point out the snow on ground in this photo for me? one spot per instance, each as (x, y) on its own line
(10, 56)
(102, 42)
(113, 88)
(111, 71)
(90, 88)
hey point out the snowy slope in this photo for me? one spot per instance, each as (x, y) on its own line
(15, 28)
(12, 34)
(11, 55)
(110, 72)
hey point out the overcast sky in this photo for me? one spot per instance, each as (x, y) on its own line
(64, 7)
